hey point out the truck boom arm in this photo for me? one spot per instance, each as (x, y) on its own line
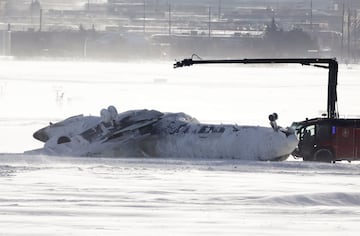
(327, 63)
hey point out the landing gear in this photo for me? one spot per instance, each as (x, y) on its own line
(273, 117)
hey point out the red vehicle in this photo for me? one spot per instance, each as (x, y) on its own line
(327, 139)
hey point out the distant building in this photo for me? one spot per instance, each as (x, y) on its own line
(355, 4)
(16, 5)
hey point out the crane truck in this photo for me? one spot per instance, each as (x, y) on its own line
(325, 139)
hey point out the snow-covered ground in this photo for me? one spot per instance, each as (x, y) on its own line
(99, 196)
(107, 196)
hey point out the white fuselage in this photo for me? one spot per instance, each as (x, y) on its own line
(149, 133)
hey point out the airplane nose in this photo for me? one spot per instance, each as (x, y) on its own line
(41, 135)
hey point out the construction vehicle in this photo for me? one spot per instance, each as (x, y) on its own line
(324, 139)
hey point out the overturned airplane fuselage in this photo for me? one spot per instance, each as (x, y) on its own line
(150, 133)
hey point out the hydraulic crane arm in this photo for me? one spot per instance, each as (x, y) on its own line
(327, 63)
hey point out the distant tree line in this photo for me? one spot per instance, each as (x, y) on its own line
(278, 42)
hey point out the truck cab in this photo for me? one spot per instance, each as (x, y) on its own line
(328, 140)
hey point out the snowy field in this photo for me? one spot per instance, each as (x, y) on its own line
(107, 196)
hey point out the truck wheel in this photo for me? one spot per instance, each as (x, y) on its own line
(323, 155)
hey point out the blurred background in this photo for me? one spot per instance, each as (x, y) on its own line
(167, 29)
